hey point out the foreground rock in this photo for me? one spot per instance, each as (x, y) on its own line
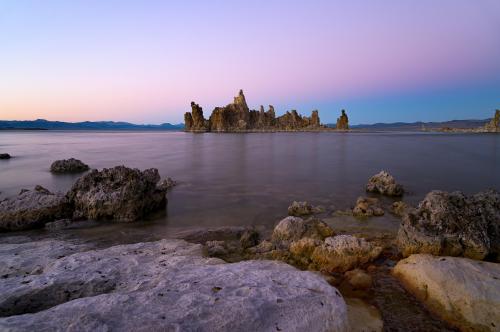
(168, 285)
(385, 184)
(32, 209)
(119, 193)
(453, 224)
(342, 253)
(237, 117)
(70, 165)
(310, 244)
(5, 156)
(367, 207)
(462, 291)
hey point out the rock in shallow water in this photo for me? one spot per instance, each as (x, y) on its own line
(385, 184)
(168, 285)
(32, 209)
(70, 165)
(119, 193)
(5, 156)
(294, 228)
(367, 207)
(453, 224)
(344, 252)
(299, 209)
(462, 291)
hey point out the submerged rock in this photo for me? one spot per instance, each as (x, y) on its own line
(400, 208)
(70, 165)
(367, 207)
(342, 253)
(119, 193)
(359, 279)
(385, 184)
(32, 209)
(168, 285)
(462, 291)
(5, 156)
(363, 317)
(299, 209)
(453, 224)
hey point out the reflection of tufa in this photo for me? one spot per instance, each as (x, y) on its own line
(237, 117)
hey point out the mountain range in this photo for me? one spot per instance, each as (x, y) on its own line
(41, 124)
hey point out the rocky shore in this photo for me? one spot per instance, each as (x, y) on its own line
(304, 275)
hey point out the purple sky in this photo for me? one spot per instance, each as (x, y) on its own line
(144, 61)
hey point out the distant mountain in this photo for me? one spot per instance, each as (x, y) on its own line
(419, 126)
(42, 124)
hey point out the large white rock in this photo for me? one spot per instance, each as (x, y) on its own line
(462, 291)
(169, 286)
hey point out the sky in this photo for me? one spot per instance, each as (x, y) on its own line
(145, 61)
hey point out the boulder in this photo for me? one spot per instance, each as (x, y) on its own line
(342, 253)
(32, 209)
(299, 209)
(461, 291)
(367, 207)
(294, 228)
(168, 285)
(385, 184)
(5, 156)
(119, 193)
(453, 224)
(70, 165)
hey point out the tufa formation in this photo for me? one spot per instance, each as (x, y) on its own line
(494, 124)
(237, 117)
(343, 121)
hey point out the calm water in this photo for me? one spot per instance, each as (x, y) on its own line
(250, 179)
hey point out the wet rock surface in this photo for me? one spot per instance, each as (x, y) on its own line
(453, 224)
(32, 209)
(385, 184)
(120, 193)
(70, 165)
(462, 291)
(168, 285)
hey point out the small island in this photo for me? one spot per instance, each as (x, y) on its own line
(237, 117)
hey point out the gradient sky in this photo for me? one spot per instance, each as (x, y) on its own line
(144, 61)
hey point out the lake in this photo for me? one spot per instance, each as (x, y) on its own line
(250, 179)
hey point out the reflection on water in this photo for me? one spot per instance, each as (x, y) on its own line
(249, 179)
